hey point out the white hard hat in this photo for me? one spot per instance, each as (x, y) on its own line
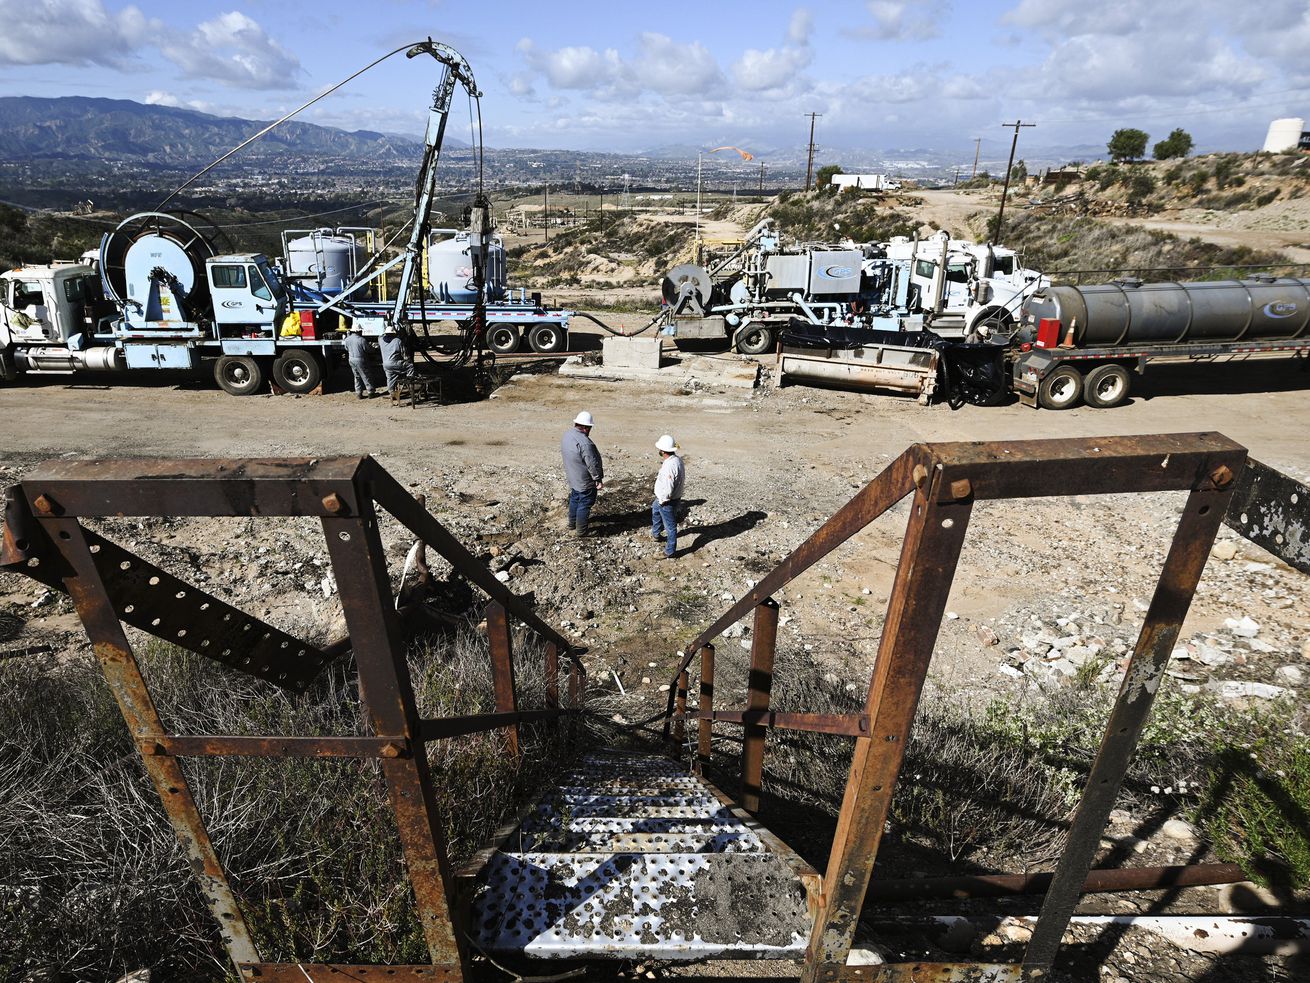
(666, 444)
(583, 419)
(356, 326)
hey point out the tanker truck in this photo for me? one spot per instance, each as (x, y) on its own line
(1083, 344)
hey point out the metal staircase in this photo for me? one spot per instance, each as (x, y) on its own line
(632, 857)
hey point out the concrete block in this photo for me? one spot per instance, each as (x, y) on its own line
(632, 353)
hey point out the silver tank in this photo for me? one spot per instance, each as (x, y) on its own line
(323, 260)
(450, 268)
(1128, 312)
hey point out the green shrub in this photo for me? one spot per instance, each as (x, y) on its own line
(1256, 809)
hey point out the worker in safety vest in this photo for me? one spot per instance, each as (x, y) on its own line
(358, 354)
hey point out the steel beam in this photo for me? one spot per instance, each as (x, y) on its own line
(841, 724)
(387, 697)
(502, 673)
(117, 661)
(1272, 511)
(929, 555)
(1183, 566)
(764, 641)
(705, 707)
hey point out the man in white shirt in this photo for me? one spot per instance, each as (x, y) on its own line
(668, 495)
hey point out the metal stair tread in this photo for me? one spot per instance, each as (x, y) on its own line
(666, 906)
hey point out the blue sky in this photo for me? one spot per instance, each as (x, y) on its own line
(630, 76)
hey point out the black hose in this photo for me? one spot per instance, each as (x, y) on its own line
(615, 331)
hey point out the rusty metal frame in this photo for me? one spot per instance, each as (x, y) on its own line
(110, 586)
(943, 482)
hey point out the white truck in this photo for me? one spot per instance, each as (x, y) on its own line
(965, 289)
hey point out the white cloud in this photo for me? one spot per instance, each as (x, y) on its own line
(233, 49)
(901, 20)
(774, 69)
(573, 67)
(71, 32)
(159, 98)
(675, 67)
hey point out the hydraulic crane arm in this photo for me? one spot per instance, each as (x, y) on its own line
(456, 70)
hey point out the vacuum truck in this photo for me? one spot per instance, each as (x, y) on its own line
(1083, 344)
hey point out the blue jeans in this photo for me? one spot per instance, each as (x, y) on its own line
(580, 503)
(665, 515)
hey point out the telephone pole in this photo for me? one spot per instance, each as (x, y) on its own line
(545, 209)
(1005, 191)
(977, 148)
(761, 178)
(809, 164)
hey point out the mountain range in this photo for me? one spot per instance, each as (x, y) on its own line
(84, 128)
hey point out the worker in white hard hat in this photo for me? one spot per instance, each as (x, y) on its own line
(584, 471)
(357, 352)
(668, 495)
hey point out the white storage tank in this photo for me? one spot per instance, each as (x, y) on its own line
(323, 260)
(450, 268)
(1284, 135)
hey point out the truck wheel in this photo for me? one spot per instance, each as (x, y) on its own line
(755, 340)
(548, 339)
(503, 339)
(297, 372)
(1106, 386)
(238, 375)
(1061, 389)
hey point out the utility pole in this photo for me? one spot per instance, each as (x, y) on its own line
(545, 209)
(1005, 191)
(977, 148)
(809, 163)
(761, 178)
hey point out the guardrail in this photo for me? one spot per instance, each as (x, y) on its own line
(943, 482)
(111, 586)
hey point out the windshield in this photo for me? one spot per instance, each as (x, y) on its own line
(957, 272)
(1004, 266)
(27, 293)
(257, 285)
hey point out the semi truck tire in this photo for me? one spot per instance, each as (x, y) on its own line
(754, 339)
(1106, 386)
(1061, 389)
(297, 372)
(547, 339)
(239, 375)
(503, 339)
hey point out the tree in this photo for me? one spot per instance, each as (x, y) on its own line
(1127, 144)
(1176, 144)
(1019, 171)
(824, 177)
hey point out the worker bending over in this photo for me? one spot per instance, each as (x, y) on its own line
(668, 495)
(584, 471)
(395, 359)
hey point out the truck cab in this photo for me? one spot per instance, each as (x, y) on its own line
(966, 288)
(246, 293)
(47, 304)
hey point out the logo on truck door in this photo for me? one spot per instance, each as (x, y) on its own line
(1281, 308)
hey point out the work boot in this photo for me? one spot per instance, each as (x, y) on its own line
(580, 529)
(360, 394)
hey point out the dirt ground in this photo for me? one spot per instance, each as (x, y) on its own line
(765, 468)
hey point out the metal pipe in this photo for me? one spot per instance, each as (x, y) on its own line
(1099, 881)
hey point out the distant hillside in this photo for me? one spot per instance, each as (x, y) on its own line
(81, 128)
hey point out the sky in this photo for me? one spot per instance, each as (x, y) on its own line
(631, 76)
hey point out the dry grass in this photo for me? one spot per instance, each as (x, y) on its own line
(93, 883)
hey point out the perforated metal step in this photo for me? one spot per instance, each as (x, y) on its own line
(632, 857)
